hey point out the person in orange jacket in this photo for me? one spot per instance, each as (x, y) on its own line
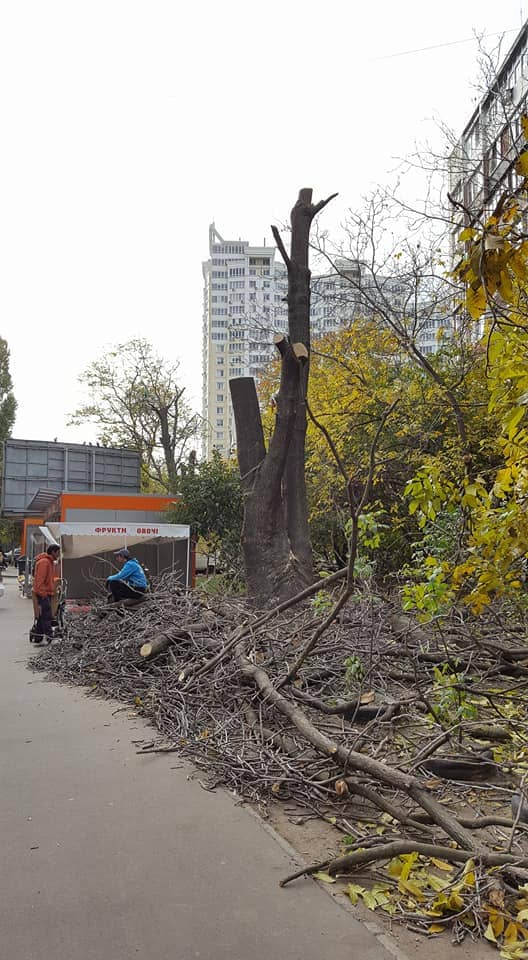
(43, 591)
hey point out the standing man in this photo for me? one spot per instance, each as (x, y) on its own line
(43, 591)
(130, 582)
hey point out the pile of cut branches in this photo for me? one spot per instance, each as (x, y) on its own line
(411, 741)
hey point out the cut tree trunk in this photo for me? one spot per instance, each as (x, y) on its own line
(275, 537)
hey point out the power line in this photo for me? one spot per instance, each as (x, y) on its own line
(437, 46)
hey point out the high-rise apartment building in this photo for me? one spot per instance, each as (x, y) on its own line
(244, 306)
(483, 164)
(353, 291)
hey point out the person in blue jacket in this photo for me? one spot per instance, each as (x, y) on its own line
(130, 581)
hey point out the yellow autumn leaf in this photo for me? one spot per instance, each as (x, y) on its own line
(505, 287)
(454, 900)
(354, 892)
(395, 867)
(324, 877)
(497, 921)
(412, 887)
(511, 933)
(468, 234)
(442, 865)
(524, 125)
(522, 164)
(476, 302)
(409, 859)
(435, 928)
(436, 883)
(489, 933)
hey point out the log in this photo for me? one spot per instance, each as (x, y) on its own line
(398, 848)
(478, 731)
(151, 648)
(156, 646)
(353, 709)
(466, 769)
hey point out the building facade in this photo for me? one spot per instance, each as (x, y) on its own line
(352, 292)
(243, 308)
(483, 164)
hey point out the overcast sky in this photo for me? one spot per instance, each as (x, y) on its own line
(127, 127)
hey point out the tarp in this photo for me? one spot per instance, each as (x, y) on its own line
(89, 539)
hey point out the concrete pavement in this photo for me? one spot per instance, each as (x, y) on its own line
(106, 855)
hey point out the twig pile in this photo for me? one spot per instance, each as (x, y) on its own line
(422, 735)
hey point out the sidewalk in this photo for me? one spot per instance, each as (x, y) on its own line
(107, 855)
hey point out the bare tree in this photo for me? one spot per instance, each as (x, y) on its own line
(136, 401)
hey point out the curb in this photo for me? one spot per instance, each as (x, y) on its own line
(377, 932)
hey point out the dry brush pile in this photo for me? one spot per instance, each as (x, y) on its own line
(412, 742)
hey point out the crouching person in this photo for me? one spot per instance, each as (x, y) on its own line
(130, 582)
(43, 589)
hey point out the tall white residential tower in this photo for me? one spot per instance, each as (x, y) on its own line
(244, 306)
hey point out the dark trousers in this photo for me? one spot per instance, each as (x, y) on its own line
(120, 590)
(44, 627)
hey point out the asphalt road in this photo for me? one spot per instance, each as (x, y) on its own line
(107, 855)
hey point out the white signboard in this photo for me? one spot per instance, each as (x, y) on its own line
(90, 539)
(174, 531)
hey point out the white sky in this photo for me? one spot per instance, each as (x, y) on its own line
(128, 126)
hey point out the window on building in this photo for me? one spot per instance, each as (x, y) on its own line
(219, 397)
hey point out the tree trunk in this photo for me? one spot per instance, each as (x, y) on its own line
(265, 544)
(168, 451)
(275, 537)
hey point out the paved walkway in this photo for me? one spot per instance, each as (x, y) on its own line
(106, 855)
